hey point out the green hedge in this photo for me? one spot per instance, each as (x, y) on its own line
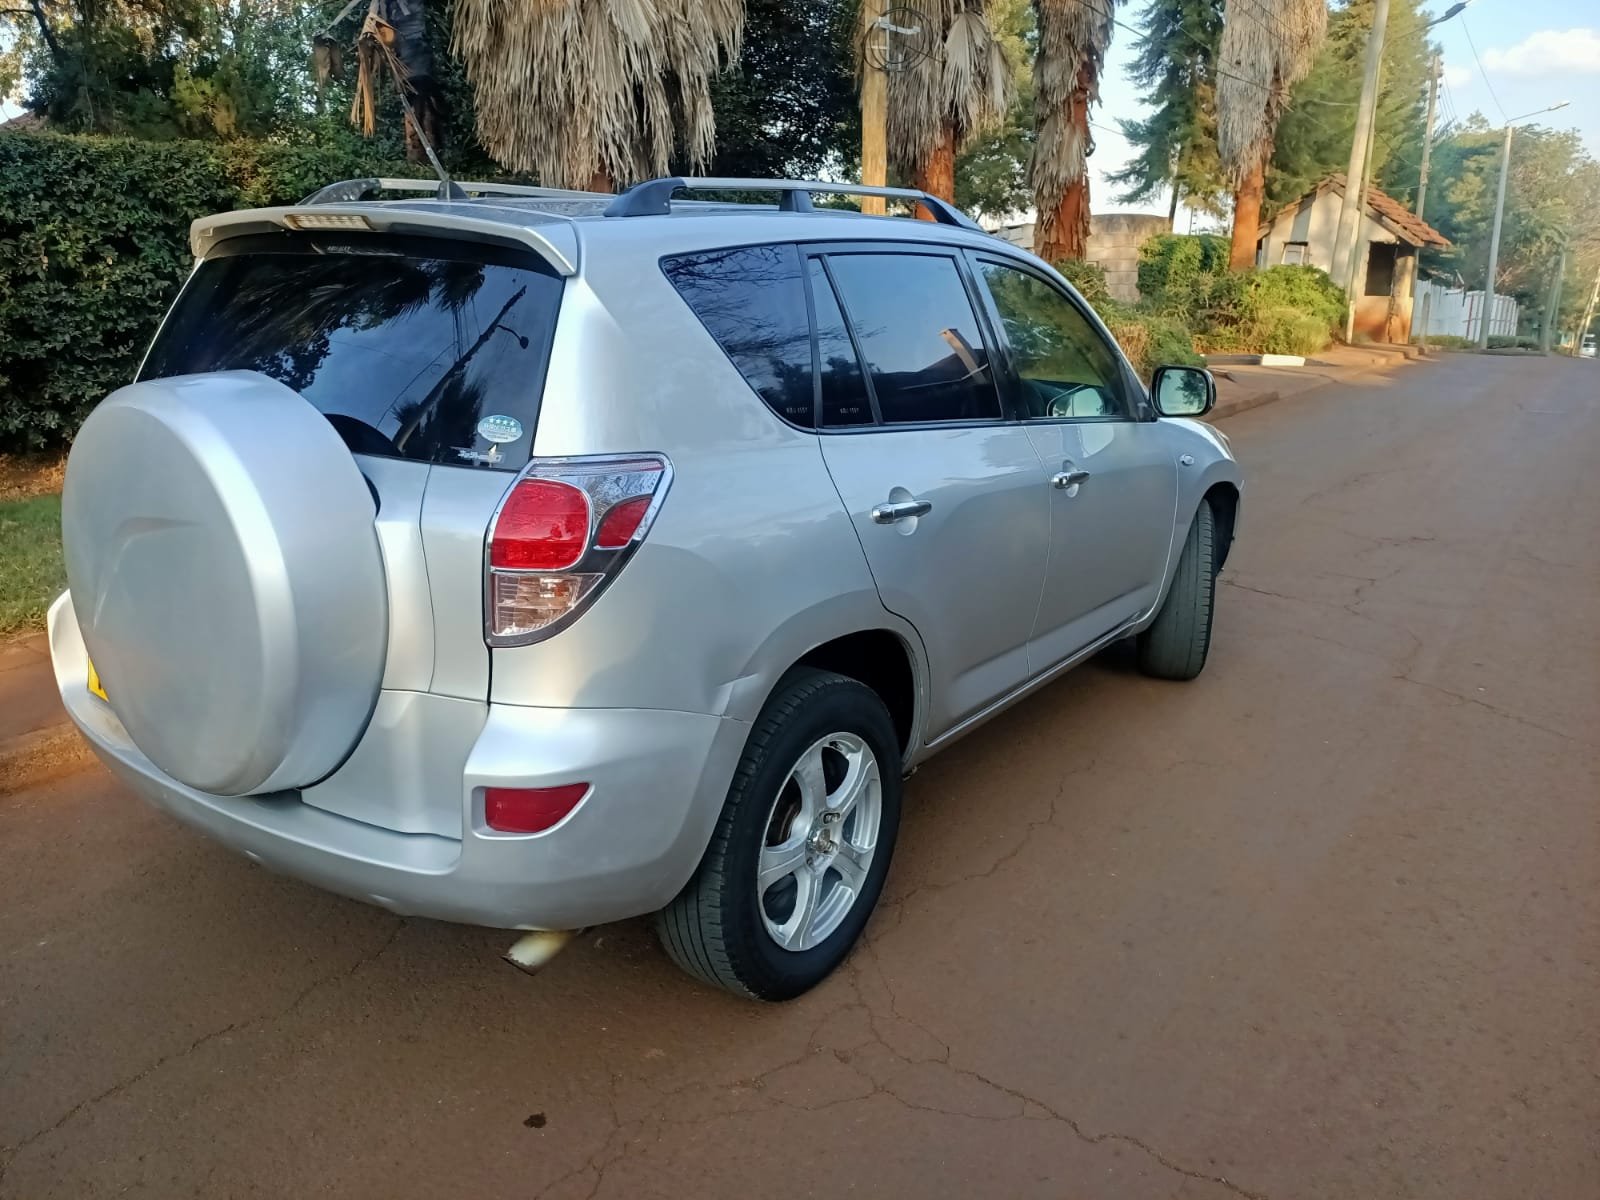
(94, 241)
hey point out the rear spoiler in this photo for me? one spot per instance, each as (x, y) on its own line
(553, 240)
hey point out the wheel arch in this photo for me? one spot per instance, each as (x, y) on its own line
(1224, 500)
(884, 661)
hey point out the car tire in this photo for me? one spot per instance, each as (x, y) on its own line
(722, 927)
(1175, 645)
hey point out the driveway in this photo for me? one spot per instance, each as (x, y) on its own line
(1325, 923)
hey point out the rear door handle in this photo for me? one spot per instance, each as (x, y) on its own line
(1067, 477)
(891, 511)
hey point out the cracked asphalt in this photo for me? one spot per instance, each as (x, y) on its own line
(1325, 923)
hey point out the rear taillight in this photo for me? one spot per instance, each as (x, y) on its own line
(561, 534)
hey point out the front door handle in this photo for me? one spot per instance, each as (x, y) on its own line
(1069, 476)
(891, 511)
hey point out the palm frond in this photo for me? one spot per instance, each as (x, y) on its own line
(1266, 49)
(568, 89)
(1073, 38)
(964, 86)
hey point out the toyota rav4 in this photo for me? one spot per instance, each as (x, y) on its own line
(537, 559)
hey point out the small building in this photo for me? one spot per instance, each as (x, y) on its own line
(1304, 231)
(1113, 246)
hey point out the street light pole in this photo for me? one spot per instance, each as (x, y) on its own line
(1499, 220)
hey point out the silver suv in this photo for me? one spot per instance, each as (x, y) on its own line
(537, 559)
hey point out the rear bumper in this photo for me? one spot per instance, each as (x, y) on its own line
(658, 780)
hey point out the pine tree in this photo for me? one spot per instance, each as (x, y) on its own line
(1314, 136)
(1176, 65)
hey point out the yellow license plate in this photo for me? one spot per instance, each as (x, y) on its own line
(96, 686)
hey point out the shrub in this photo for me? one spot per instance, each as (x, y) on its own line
(1282, 310)
(94, 241)
(1448, 341)
(1499, 341)
(1088, 278)
(1177, 272)
(1149, 339)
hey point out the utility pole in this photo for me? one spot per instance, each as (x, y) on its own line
(874, 108)
(1427, 140)
(1355, 188)
(1553, 309)
(1494, 242)
(1588, 313)
(1499, 219)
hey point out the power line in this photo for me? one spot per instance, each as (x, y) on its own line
(1481, 71)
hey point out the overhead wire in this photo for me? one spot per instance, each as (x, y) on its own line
(1466, 30)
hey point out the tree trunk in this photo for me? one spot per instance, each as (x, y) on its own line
(1172, 209)
(412, 48)
(1064, 232)
(1247, 220)
(937, 176)
(46, 32)
(601, 181)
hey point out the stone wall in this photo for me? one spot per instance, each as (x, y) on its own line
(1114, 241)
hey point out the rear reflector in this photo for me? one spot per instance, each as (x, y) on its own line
(564, 531)
(530, 810)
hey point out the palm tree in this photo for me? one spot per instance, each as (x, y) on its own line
(944, 98)
(1266, 49)
(1073, 38)
(394, 42)
(588, 94)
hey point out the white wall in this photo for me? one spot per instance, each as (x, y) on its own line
(1317, 223)
(1456, 312)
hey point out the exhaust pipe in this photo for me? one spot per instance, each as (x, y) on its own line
(531, 952)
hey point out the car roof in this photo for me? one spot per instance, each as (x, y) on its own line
(563, 226)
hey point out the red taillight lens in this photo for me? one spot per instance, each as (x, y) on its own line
(543, 526)
(621, 522)
(530, 810)
(548, 554)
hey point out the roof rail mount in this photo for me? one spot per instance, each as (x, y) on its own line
(349, 190)
(653, 198)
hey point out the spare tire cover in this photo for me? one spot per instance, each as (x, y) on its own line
(226, 575)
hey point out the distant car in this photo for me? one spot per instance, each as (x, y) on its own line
(1588, 346)
(546, 559)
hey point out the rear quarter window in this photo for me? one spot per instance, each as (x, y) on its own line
(412, 348)
(752, 301)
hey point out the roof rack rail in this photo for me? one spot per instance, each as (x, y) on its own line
(348, 190)
(653, 197)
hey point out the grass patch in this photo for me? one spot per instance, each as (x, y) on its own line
(31, 573)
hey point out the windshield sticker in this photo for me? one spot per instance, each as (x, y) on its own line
(499, 429)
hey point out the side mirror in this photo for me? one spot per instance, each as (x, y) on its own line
(1183, 391)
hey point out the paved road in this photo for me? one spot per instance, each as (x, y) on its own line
(1324, 924)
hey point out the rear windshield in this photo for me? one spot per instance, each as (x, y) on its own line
(413, 348)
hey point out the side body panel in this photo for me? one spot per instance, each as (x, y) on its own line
(751, 561)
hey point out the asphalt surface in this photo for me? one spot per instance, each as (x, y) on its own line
(1325, 923)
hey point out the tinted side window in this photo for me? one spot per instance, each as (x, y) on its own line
(412, 348)
(753, 302)
(844, 390)
(918, 335)
(1066, 367)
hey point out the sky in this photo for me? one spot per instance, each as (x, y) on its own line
(1530, 54)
